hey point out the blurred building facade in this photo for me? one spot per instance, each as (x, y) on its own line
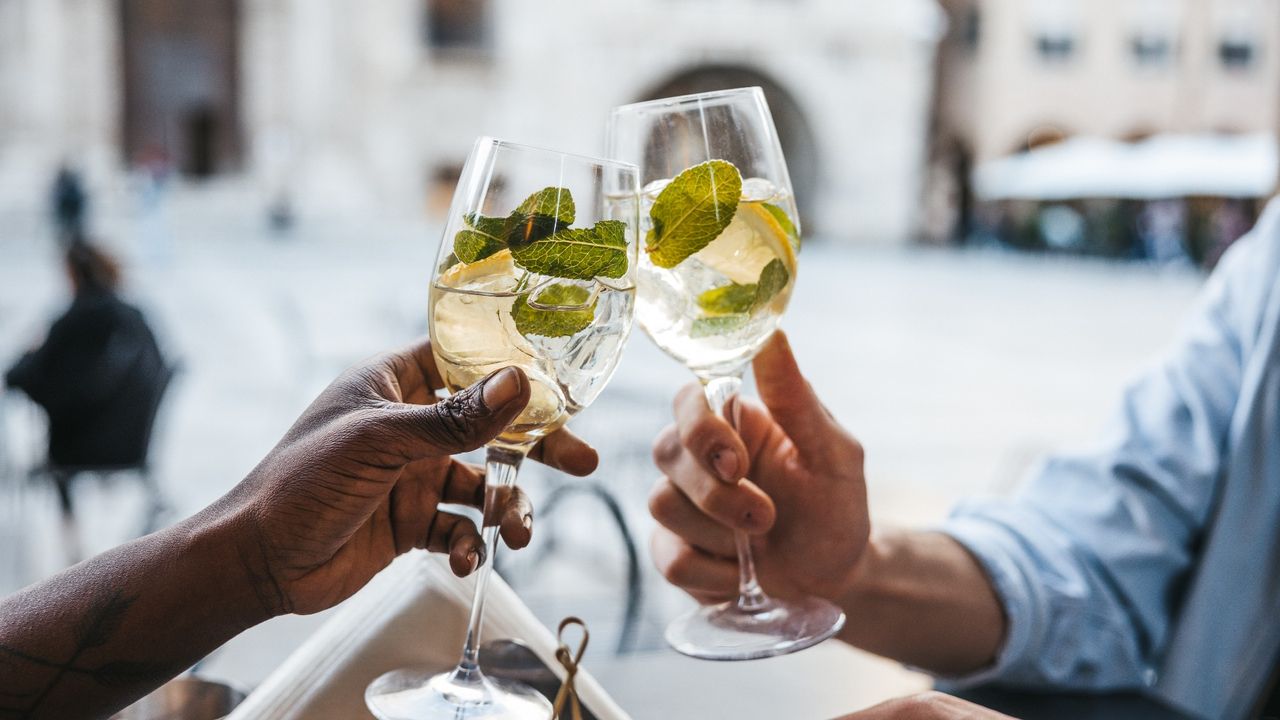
(1013, 75)
(337, 108)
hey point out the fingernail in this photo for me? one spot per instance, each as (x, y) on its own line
(726, 464)
(473, 558)
(527, 521)
(484, 554)
(501, 388)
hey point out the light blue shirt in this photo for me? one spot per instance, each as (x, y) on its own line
(1154, 560)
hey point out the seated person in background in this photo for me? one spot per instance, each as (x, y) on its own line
(1150, 563)
(355, 482)
(98, 375)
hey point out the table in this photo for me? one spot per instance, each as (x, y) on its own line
(822, 682)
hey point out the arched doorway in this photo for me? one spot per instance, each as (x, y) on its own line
(793, 129)
(180, 86)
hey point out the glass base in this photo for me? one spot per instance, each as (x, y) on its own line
(777, 627)
(421, 695)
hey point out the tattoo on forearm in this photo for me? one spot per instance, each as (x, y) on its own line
(97, 628)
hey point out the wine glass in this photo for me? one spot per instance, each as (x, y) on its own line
(536, 269)
(718, 269)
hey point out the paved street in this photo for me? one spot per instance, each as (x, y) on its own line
(955, 369)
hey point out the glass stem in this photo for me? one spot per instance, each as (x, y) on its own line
(750, 595)
(501, 466)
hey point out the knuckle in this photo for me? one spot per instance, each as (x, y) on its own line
(701, 432)
(681, 567)
(931, 699)
(682, 396)
(666, 447)
(450, 420)
(856, 450)
(719, 502)
(662, 501)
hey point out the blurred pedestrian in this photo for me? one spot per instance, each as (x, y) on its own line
(98, 375)
(70, 204)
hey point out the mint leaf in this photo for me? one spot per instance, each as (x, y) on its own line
(773, 278)
(692, 210)
(718, 325)
(524, 229)
(732, 298)
(746, 298)
(557, 311)
(784, 220)
(578, 254)
(553, 202)
(541, 214)
(482, 237)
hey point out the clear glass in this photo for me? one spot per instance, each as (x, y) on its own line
(715, 308)
(536, 269)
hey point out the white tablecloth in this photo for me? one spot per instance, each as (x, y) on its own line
(414, 613)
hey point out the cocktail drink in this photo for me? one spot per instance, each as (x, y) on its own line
(721, 235)
(719, 265)
(536, 270)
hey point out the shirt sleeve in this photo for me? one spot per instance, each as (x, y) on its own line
(1089, 557)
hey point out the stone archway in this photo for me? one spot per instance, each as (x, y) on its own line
(794, 132)
(181, 104)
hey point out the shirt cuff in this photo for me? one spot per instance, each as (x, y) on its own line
(990, 543)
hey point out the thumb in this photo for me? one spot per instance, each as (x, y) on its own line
(790, 398)
(463, 421)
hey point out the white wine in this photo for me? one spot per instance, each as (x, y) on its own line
(476, 328)
(710, 311)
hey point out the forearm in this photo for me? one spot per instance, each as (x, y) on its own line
(96, 636)
(922, 599)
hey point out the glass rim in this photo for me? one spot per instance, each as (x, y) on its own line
(525, 147)
(687, 99)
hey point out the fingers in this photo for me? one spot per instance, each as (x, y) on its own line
(512, 511)
(417, 493)
(565, 451)
(678, 514)
(457, 536)
(414, 504)
(791, 399)
(741, 505)
(695, 572)
(708, 436)
(464, 421)
(507, 507)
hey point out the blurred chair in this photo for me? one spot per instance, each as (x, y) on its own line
(634, 588)
(130, 456)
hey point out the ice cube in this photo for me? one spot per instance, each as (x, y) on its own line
(652, 189)
(758, 190)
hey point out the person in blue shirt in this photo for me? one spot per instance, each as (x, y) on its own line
(1149, 563)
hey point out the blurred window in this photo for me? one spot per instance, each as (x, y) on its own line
(1236, 53)
(1055, 47)
(971, 30)
(1055, 28)
(1151, 50)
(458, 27)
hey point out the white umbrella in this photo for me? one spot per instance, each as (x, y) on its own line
(1164, 166)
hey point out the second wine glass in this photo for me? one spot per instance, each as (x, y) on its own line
(717, 273)
(536, 270)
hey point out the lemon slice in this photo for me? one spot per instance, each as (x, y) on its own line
(490, 270)
(751, 241)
